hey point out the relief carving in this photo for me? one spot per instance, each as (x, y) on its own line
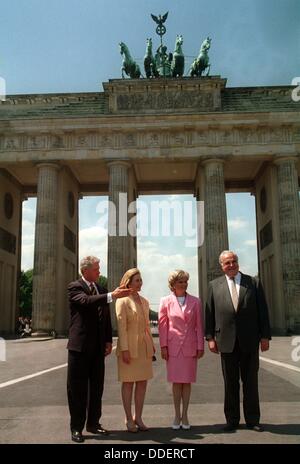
(57, 142)
(165, 101)
(35, 142)
(153, 140)
(81, 141)
(12, 143)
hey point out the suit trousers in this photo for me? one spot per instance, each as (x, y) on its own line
(85, 388)
(245, 365)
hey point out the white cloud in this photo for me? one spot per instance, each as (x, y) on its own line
(247, 260)
(237, 224)
(155, 268)
(251, 243)
(28, 226)
(27, 256)
(93, 241)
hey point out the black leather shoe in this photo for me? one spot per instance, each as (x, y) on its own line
(256, 427)
(230, 427)
(77, 436)
(97, 430)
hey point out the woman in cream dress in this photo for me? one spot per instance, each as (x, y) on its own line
(135, 349)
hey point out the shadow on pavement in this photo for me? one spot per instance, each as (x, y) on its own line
(167, 435)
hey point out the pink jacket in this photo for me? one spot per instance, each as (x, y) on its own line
(181, 329)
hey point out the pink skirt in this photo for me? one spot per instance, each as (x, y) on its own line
(182, 369)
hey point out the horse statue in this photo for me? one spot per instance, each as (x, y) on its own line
(202, 61)
(149, 61)
(130, 67)
(177, 65)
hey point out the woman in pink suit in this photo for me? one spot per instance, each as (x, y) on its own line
(181, 337)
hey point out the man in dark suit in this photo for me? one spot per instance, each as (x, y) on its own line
(90, 340)
(236, 322)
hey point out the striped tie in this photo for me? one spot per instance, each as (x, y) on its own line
(93, 289)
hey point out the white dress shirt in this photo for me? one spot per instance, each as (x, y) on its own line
(237, 280)
(109, 297)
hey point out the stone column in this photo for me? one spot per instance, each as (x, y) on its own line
(10, 248)
(118, 238)
(216, 234)
(289, 224)
(45, 250)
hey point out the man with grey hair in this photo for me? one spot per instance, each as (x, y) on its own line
(90, 340)
(236, 323)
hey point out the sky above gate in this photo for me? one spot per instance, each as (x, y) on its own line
(72, 46)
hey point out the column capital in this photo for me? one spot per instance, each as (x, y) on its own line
(123, 163)
(282, 159)
(211, 161)
(48, 164)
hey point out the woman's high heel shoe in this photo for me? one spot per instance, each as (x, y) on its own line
(142, 427)
(131, 426)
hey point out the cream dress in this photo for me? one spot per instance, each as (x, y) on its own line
(140, 367)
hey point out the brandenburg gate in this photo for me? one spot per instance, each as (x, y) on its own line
(144, 136)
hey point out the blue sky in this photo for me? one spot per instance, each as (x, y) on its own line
(72, 46)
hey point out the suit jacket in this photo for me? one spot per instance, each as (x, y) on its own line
(181, 329)
(90, 323)
(248, 324)
(128, 333)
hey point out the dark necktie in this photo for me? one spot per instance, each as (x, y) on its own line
(93, 289)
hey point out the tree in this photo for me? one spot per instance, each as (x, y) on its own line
(153, 315)
(102, 281)
(25, 295)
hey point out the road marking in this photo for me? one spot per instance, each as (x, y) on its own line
(26, 377)
(280, 364)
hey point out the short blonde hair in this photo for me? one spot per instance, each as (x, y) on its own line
(177, 275)
(88, 262)
(128, 276)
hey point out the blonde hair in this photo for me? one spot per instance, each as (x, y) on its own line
(128, 276)
(177, 275)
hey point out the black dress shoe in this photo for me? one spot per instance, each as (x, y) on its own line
(255, 427)
(230, 427)
(97, 430)
(77, 436)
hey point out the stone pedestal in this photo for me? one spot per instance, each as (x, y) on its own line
(44, 297)
(289, 224)
(216, 234)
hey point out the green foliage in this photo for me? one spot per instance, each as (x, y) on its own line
(153, 315)
(25, 295)
(102, 281)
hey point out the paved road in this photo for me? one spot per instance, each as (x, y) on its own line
(34, 410)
